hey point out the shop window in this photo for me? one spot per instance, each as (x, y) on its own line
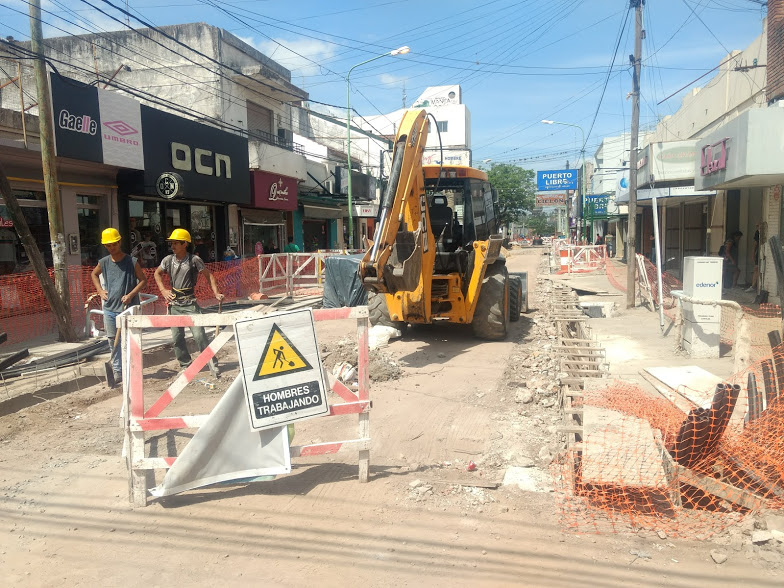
(13, 257)
(88, 200)
(203, 232)
(89, 235)
(147, 241)
(259, 238)
(40, 196)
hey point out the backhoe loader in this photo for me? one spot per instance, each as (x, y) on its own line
(436, 251)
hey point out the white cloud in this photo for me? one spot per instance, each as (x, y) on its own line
(391, 81)
(301, 56)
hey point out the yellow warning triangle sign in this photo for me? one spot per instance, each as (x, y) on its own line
(280, 357)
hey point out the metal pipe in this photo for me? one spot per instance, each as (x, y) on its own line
(657, 247)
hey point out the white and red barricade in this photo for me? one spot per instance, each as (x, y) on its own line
(138, 420)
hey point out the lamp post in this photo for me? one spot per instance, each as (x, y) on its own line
(400, 51)
(582, 155)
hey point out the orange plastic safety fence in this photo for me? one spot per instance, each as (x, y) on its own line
(690, 466)
(616, 274)
(25, 313)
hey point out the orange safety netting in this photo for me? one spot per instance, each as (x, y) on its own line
(690, 465)
(25, 313)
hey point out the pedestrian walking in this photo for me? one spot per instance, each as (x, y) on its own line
(184, 269)
(755, 254)
(123, 279)
(291, 246)
(609, 240)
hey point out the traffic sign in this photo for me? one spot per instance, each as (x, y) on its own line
(281, 367)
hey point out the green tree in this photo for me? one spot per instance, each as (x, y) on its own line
(541, 223)
(516, 188)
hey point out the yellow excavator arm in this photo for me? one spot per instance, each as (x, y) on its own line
(403, 246)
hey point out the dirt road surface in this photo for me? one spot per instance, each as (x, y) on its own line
(423, 519)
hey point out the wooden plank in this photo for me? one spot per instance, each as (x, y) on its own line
(670, 470)
(722, 490)
(692, 382)
(619, 450)
(677, 400)
(572, 382)
(575, 429)
(578, 372)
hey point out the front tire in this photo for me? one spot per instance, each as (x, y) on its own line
(492, 309)
(379, 312)
(515, 298)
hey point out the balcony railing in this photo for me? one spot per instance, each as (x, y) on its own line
(271, 139)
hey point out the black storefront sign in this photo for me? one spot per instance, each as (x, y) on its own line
(213, 163)
(77, 119)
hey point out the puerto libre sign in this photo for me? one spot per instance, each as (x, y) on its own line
(560, 179)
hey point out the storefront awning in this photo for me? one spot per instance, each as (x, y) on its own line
(744, 153)
(321, 211)
(662, 193)
(262, 217)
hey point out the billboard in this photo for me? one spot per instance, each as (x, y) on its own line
(543, 200)
(553, 180)
(96, 125)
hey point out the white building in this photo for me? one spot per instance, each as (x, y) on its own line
(611, 157)
(452, 133)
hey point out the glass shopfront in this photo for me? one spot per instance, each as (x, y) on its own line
(13, 257)
(152, 221)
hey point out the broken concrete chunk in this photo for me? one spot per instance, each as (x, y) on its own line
(718, 556)
(760, 537)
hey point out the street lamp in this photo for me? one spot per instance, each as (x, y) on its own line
(400, 51)
(582, 155)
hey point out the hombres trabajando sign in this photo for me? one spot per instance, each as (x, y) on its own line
(281, 368)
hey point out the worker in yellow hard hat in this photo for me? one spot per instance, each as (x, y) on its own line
(123, 279)
(184, 269)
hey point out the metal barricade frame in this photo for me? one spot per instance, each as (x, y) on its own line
(137, 421)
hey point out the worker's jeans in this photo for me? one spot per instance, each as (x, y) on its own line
(178, 333)
(110, 325)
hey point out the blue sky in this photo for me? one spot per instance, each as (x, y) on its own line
(518, 61)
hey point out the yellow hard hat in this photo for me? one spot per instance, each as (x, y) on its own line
(180, 235)
(110, 236)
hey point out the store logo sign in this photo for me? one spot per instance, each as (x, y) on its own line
(121, 127)
(278, 192)
(202, 161)
(714, 157)
(79, 124)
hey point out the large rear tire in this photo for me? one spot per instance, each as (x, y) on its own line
(379, 312)
(492, 309)
(515, 298)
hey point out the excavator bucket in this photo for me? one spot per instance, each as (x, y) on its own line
(404, 268)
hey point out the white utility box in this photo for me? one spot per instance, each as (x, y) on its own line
(701, 322)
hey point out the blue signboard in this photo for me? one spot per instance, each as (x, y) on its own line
(560, 179)
(598, 202)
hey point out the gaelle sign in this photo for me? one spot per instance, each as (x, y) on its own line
(714, 157)
(273, 191)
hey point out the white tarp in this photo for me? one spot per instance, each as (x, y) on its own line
(226, 448)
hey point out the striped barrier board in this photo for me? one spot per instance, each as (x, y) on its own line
(137, 421)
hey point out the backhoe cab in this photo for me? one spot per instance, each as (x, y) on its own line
(436, 253)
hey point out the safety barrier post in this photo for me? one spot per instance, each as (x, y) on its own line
(136, 421)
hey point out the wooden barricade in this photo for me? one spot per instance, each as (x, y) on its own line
(137, 420)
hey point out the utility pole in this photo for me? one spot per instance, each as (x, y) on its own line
(631, 234)
(60, 306)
